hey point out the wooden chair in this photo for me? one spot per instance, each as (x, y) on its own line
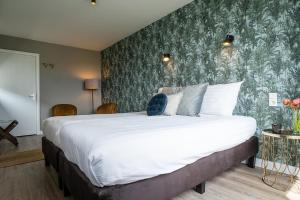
(64, 110)
(107, 108)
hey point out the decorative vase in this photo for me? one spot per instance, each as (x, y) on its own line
(296, 121)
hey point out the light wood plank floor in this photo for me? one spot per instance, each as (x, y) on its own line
(25, 143)
(34, 181)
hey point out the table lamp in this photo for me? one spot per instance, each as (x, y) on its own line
(92, 85)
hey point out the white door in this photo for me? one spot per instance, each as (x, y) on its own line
(19, 91)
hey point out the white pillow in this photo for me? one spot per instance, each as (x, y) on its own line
(220, 99)
(191, 101)
(169, 90)
(173, 103)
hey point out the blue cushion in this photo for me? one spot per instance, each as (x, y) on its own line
(157, 104)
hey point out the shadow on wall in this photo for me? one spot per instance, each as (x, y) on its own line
(4, 99)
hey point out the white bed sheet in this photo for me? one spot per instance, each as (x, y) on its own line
(122, 150)
(52, 126)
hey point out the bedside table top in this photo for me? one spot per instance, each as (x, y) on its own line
(268, 132)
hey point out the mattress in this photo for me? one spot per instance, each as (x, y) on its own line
(52, 126)
(121, 150)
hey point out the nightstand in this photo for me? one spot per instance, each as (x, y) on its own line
(279, 153)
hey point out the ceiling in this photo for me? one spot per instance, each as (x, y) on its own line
(77, 23)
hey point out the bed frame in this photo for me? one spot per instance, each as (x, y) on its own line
(163, 187)
(51, 155)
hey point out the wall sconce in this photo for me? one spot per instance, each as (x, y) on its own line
(46, 65)
(105, 73)
(228, 40)
(166, 57)
(93, 2)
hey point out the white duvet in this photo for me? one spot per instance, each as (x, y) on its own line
(53, 125)
(123, 149)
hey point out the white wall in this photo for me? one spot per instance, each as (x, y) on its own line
(63, 83)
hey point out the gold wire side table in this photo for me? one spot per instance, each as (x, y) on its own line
(280, 160)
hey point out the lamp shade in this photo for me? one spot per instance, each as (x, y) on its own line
(91, 84)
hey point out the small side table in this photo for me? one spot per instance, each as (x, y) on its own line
(279, 153)
(5, 132)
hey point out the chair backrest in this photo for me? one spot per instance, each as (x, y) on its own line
(107, 108)
(64, 110)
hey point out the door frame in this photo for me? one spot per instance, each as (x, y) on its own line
(37, 74)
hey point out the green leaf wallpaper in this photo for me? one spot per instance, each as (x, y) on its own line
(265, 54)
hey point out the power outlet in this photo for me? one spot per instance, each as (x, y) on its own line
(273, 99)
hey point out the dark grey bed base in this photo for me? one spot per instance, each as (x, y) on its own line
(51, 154)
(162, 187)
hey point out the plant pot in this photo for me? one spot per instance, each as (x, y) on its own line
(296, 122)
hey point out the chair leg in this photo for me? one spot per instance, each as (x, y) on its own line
(5, 133)
(200, 188)
(251, 162)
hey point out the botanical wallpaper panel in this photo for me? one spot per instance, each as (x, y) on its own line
(265, 53)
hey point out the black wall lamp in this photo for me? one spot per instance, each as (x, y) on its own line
(166, 57)
(93, 2)
(228, 40)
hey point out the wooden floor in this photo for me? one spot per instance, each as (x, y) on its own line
(25, 143)
(34, 181)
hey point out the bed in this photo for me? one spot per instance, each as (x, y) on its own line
(133, 156)
(51, 130)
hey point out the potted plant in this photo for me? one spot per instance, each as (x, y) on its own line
(294, 105)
